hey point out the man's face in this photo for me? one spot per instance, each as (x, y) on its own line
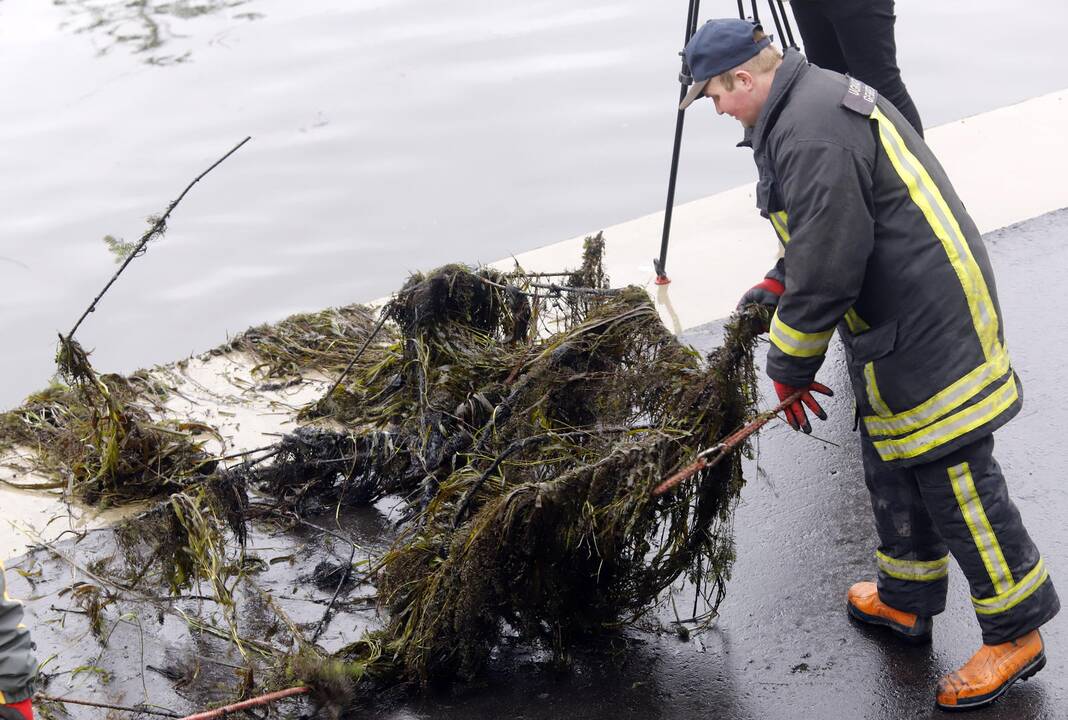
(741, 102)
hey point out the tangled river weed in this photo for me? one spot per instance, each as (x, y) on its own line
(522, 425)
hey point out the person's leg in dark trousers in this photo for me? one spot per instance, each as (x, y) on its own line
(857, 37)
(966, 496)
(912, 559)
(819, 36)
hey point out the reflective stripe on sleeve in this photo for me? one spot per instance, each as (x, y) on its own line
(1015, 595)
(986, 542)
(928, 198)
(950, 428)
(915, 570)
(780, 222)
(941, 403)
(796, 343)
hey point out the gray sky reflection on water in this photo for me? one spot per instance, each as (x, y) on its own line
(388, 136)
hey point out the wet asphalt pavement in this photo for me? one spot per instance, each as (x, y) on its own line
(782, 647)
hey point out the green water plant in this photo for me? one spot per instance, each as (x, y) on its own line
(522, 425)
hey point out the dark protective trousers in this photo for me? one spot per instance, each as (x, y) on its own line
(17, 664)
(856, 37)
(957, 505)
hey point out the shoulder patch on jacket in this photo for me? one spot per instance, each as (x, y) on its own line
(860, 98)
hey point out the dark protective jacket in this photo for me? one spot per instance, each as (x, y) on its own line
(878, 244)
(17, 664)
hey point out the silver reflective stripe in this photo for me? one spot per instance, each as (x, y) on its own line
(875, 398)
(951, 427)
(779, 222)
(1015, 595)
(942, 403)
(926, 194)
(796, 343)
(915, 570)
(982, 533)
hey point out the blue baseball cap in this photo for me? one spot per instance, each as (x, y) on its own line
(717, 46)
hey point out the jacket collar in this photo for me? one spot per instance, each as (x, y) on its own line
(792, 67)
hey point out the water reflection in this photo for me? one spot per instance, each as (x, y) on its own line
(144, 27)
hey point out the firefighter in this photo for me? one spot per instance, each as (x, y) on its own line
(17, 664)
(877, 243)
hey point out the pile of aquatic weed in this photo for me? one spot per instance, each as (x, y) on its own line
(98, 437)
(525, 424)
(544, 524)
(94, 437)
(324, 341)
(522, 424)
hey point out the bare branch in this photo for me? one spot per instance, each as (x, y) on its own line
(156, 229)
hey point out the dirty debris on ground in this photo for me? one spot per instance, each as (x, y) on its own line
(476, 470)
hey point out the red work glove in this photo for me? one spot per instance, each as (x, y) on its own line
(795, 411)
(766, 292)
(17, 711)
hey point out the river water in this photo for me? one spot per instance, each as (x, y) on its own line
(388, 136)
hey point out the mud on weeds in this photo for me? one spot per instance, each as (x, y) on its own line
(520, 425)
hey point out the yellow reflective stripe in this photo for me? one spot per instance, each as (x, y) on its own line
(3, 700)
(872, 388)
(855, 322)
(781, 225)
(983, 535)
(918, 570)
(925, 193)
(1015, 595)
(950, 428)
(943, 402)
(796, 343)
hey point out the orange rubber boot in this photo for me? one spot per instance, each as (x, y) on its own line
(864, 605)
(991, 672)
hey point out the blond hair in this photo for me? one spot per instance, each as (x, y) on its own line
(763, 62)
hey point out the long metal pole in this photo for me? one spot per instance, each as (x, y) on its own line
(778, 25)
(786, 24)
(684, 82)
(712, 456)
